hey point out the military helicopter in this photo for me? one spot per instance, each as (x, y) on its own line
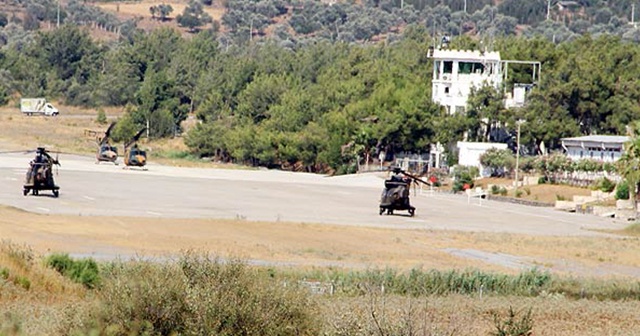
(134, 156)
(106, 152)
(40, 174)
(395, 195)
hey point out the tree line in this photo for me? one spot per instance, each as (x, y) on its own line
(319, 105)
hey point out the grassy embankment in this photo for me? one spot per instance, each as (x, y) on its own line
(196, 294)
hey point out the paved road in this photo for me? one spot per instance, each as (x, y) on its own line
(261, 195)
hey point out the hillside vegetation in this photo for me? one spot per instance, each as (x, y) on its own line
(311, 98)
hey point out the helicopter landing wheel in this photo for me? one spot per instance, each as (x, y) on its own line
(412, 212)
(25, 192)
(381, 211)
(56, 193)
(34, 192)
(389, 212)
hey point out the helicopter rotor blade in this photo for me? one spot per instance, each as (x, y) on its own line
(135, 138)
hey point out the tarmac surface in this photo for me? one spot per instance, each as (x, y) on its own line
(89, 189)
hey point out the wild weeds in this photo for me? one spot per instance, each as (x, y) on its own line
(199, 295)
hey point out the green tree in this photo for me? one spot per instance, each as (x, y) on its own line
(629, 163)
(193, 16)
(162, 11)
(500, 161)
(485, 112)
(190, 63)
(158, 108)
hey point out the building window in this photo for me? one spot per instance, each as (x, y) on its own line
(466, 68)
(448, 67)
(611, 156)
(581, 154)
(591, 154)
(601, 155)
(446, 90)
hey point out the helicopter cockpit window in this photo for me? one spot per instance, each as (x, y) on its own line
(136, 151)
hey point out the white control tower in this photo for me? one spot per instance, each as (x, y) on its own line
(455, 72)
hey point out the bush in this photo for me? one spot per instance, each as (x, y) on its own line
(4, 273)
(199, 296)
(495, 189)
(511, 325)
(83, 271)
(102, 117)
(542, 180)
(23, 282)
(464, 175)
(622, 190)
(604, 184)
(503, 191)
(518, 193)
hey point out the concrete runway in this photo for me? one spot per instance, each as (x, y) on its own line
(88, 189)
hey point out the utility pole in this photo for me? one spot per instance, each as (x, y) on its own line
(633, 14)
(465, 6)
(58, 20)
(519, 123)
(548, 8)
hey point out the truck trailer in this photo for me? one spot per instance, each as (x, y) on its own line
(31, 106)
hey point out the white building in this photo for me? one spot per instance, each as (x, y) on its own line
(469, 154)
(455, 72)
(606, 148)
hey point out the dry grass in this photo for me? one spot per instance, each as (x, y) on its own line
(140, 9)
(67, 134)
(33, 298)
(311, 244)
(465, 315)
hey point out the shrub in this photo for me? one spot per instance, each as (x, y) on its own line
(4, 273)
(542, 180)
(622, 191)
(495, 189)
(102, 117)
(83, 271)
(198, 295)
(560, 197)
(518, 193)
(22, 282)
(604, 184)
(512, 325)
(503, 191)
(464, 175)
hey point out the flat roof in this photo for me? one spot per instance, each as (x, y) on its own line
(466, 55)
(600, 138)
(480, 145)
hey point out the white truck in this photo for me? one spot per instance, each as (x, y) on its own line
(31, 106)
